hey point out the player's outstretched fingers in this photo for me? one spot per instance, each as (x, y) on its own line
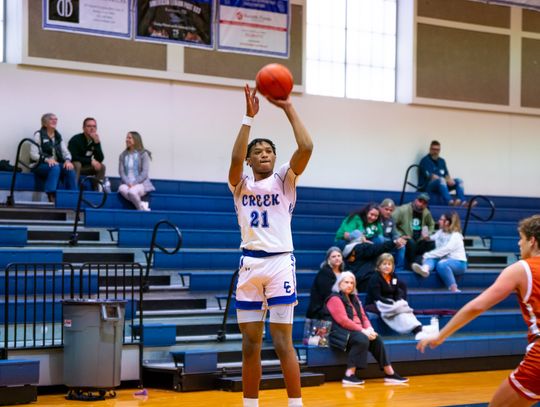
(432, 342)
(421, 345)
(252, 101)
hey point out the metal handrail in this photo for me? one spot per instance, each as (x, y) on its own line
(10, 200)
(222, 333)
(407, 182)
(75, 236)
(470, 207)
(153, 245)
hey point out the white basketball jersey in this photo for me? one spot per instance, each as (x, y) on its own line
(264, 209)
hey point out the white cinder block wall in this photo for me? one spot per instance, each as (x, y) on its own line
(190, 129)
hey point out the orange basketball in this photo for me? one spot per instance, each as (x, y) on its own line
(275, 81)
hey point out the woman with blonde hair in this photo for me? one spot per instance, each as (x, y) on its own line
(387, 297)
(448, 258)
(352, 332)
(133, 166)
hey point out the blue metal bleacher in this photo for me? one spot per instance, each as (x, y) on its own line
(205, 214)
(418, 300)
(13, 236)
(205, 280)
(328, 207)
(30, 256)
(18, 380)
(404, 350)
(41, 284)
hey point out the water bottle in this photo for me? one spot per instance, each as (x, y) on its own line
(434, 324)
(107, 185)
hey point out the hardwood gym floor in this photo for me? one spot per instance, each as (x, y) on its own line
(454, 389)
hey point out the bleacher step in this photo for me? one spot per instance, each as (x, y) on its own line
(212, 311)
(155, 281)
(204, 338)
(98, 257)
(270, 381)
(174, 304)
(36, 222)
(56, 235)
(31, 214)
(487, 258)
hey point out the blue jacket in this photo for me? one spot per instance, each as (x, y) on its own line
(429, 166)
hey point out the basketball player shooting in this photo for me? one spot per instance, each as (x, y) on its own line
(523, 277)
(264, 203)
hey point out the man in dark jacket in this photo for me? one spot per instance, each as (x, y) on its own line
(85, 149)
(434, 177)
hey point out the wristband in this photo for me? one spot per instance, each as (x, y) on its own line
(247, 121)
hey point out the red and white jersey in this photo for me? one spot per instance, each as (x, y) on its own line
(264, 209)
(530, 303)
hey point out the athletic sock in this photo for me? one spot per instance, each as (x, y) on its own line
(251, 402)
(295, 402)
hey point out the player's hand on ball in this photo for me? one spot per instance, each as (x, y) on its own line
(282, 103)
(252, 101)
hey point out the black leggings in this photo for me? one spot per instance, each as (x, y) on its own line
(359, 344)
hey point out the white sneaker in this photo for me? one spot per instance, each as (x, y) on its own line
(421, 270)
(144, 206)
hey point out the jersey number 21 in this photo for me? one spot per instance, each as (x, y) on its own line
(259, 219)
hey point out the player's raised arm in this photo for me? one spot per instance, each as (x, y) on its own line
(511, 279)
(240, 145)
(301, 156)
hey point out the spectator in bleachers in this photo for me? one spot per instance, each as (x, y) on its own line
(360, 226)
(415, 224)
(54, 165)
(352, 332)
(133, 166)
(448, 258)
(331, 268)
(367, 243)
(387, 297)
(388, 224)
(434, 177)
(86, 150)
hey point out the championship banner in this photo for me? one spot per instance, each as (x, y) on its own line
(111, 18)
(182, 22)
(254, 27)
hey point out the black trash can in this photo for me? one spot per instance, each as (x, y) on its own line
(93, 339)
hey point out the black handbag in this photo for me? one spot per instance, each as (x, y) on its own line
(339, 337)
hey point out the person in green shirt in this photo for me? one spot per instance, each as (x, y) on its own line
(415, 224)
(361, 226)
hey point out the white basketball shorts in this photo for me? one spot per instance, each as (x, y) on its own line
(265, 282)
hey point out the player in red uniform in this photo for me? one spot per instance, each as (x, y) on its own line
(523, 277)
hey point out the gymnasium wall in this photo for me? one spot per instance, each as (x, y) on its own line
(190, 128)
